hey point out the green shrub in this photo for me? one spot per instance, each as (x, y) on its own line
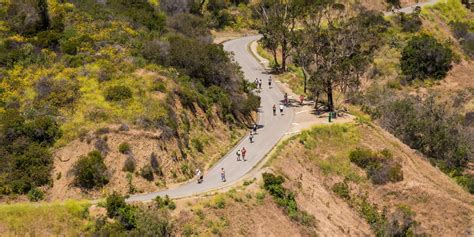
(165, 202)
(342, 190)
(251, 104)
(129, 165)
(270, 179)
(371, 214)
(260, 197)
(90, 171)
(147, 173)
(249, 182)
(101, 131)
(26, 160)
(27, 18)
(128, 217)
(48, 39)
(113, 203)
(131, 188)
(159, 86)
(410, 22)
(465, 35)
(380, 166)
(402, 223)
(285, 199)
(432, 128)
(362, 157)
(155, 165)
(72, 44)
(467, 181)
(186, 170)
(153, 223)
(124, 148)
(197, 144)
(118, 93)
(35, 195)
(58, 93)
(219, 202)
(425, 57)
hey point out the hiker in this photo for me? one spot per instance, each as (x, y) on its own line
(254, 128)
(244, 151)
(260, 84)
(301, 99)
(199, 176)
(238, 155)
(256, 82)
(251, 137)
(223, 175)
(281, 109)
(274, 110)
(270, 82)
(286, 98)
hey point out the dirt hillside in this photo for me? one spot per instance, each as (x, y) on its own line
(442, 207)
(215, 137)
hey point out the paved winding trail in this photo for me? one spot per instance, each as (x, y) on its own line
(271, 130)
(411, 8)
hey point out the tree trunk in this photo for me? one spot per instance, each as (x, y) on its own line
(44, 15)
(274, 52)
(305, 79)
(283, 56)
(330, 98)
(316, 101)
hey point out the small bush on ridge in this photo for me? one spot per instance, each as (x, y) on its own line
(90, 171)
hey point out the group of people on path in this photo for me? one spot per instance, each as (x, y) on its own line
(240, 153)
(200, 176)
(243, 151)
(259, 82)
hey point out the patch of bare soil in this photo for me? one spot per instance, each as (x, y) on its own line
(216, 138)
(334, 217)
(442, 207)
(240, 216)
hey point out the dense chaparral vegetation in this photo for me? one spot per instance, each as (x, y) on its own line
(67, 66)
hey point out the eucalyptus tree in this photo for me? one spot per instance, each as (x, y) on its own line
(341, 49)
(278, 21)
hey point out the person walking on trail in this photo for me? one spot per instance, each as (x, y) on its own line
(260, 84)
(223, 175)
(251, 137)
(301, 99)
(254, 128)
(256, 82)
(286, 98)
(199, 176)
(270, 82)
(238, 155)
(274, 110)
(281, 109)
(244, 151)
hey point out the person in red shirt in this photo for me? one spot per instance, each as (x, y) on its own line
(244, 151)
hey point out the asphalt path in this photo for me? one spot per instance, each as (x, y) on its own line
(411, 8)
(271, 128)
